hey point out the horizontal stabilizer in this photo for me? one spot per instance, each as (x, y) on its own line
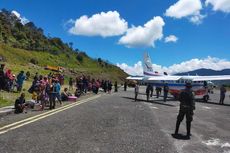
(135, 78)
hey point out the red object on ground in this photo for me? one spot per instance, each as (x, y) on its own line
(72, 98)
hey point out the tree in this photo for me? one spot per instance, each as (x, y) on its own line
(99, 60)
(77, 50)
(20, 36)
(5, 39)
(71, 45)
(31, 25)
(19, 26)
(40, 30)
(5, 11)
(106, 64)
(79, 58)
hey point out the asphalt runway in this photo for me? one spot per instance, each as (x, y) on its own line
(117, 124)
(210, 126)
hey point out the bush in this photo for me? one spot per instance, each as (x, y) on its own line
(68, 56)
(33, 61)
(99, 60)
(79, 57)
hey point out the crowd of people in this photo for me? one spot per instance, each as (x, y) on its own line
(165, 88)
(46, 90)
(149, 91)
(85, 84)
(8, 80)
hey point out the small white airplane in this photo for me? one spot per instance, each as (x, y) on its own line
(175, 83)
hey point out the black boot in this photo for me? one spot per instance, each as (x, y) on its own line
(188, 125)
(177, 127)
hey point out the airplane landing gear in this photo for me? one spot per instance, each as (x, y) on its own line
(176, 96)
(205, 98)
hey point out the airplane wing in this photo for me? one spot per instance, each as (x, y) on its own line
(174, 78)
(156, 78)
(164, 78)
(211, 78)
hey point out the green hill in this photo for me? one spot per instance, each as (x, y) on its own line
(20, 59)
(28, 36)
(25, 47)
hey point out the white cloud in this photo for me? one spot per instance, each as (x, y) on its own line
(22, 19)
(136, 69)
(197, 19)
(171, 38)
(103, 24)
(144, 36)
(16, 13)
(219, 5)
(186, 8)
(193, 64)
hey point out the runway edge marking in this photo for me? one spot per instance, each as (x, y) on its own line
(41, 116)
(30, 118)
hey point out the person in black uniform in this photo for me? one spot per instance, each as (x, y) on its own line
(148, 88)
(151, 90)
(125, 86)
(158, 91)
(115, 86)
(187, 105)
(166, 90)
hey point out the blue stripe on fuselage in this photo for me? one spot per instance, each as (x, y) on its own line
(175, 85)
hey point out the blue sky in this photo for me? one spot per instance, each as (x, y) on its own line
(200, 26)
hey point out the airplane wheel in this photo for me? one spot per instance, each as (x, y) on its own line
(206, 98)
(176, 97)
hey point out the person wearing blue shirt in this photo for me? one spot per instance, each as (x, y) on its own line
(20, 80)
(58, 89)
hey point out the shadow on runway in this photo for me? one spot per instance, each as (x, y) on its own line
(169, 98)
(180, 136)
(150, 101)
(211, 102)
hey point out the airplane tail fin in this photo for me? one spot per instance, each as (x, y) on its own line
(147, 65)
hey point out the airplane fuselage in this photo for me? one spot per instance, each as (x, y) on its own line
(175, 86)
(175, 83)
